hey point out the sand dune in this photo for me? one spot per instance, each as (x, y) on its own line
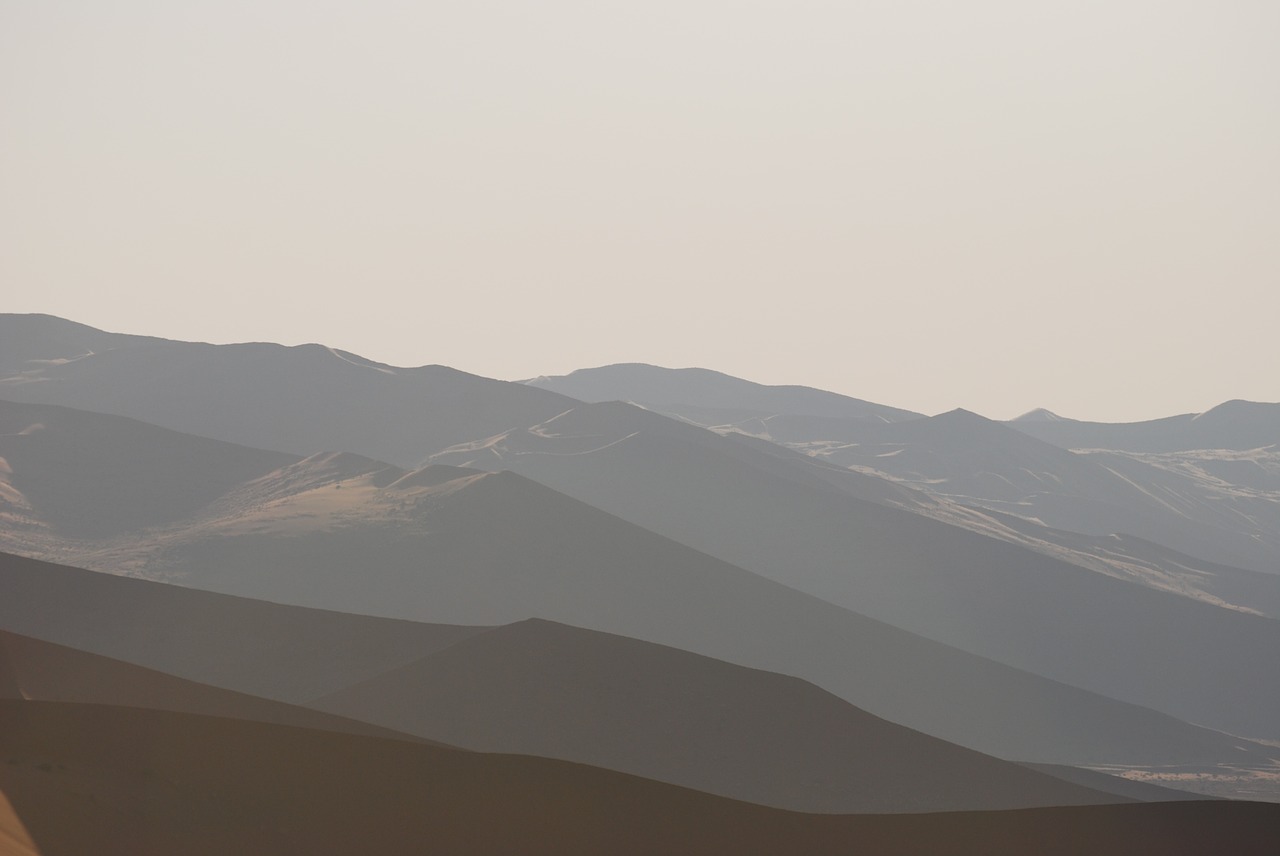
(85, 778)
(544, 689)
(962, 456)
(42, 671)
(983, 476)
(492, 549)
(482, 550)
(214, 636)
(452, 546)
(88, 475)
(540, 688)
(989, 597)
(282, 652)
(497, 548)
(1210, 505)
(138, 717)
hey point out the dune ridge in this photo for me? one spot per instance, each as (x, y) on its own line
(547, 689)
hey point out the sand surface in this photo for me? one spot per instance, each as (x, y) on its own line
(91, 779)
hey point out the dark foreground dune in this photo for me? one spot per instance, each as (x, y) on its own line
(42, 671)
(547, 689)
(539, 688)
(87, 779)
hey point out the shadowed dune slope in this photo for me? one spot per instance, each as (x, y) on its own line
(302, 399)
(265, 649)
(86, 778)
(43, 671)
(90, 475)
(1209, 504)
(540, 688)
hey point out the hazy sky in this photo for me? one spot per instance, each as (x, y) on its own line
(998, 205)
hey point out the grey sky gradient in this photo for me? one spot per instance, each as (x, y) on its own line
(997, 204)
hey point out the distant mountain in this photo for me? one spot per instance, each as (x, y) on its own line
(1218, 506)
(1038, 415)
(1238, 425)
(1210, 506)
(1231, 499)
(302, 400)
(29, 344)
(960, 587)
(663, 388)
(110, 780)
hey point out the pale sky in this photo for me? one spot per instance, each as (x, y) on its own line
(995, 205)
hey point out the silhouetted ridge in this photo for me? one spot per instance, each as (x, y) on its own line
(1238, 408)
(543, 688)
(960, 417)
(661, 388)
(1235, 424)
(301, 399)
(45, 671)
(288, 653)
(27, 340)
(1040, 414)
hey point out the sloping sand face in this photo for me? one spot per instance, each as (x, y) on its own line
(265, 649)
(43, 671)
(546, 689)
(102, 780)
